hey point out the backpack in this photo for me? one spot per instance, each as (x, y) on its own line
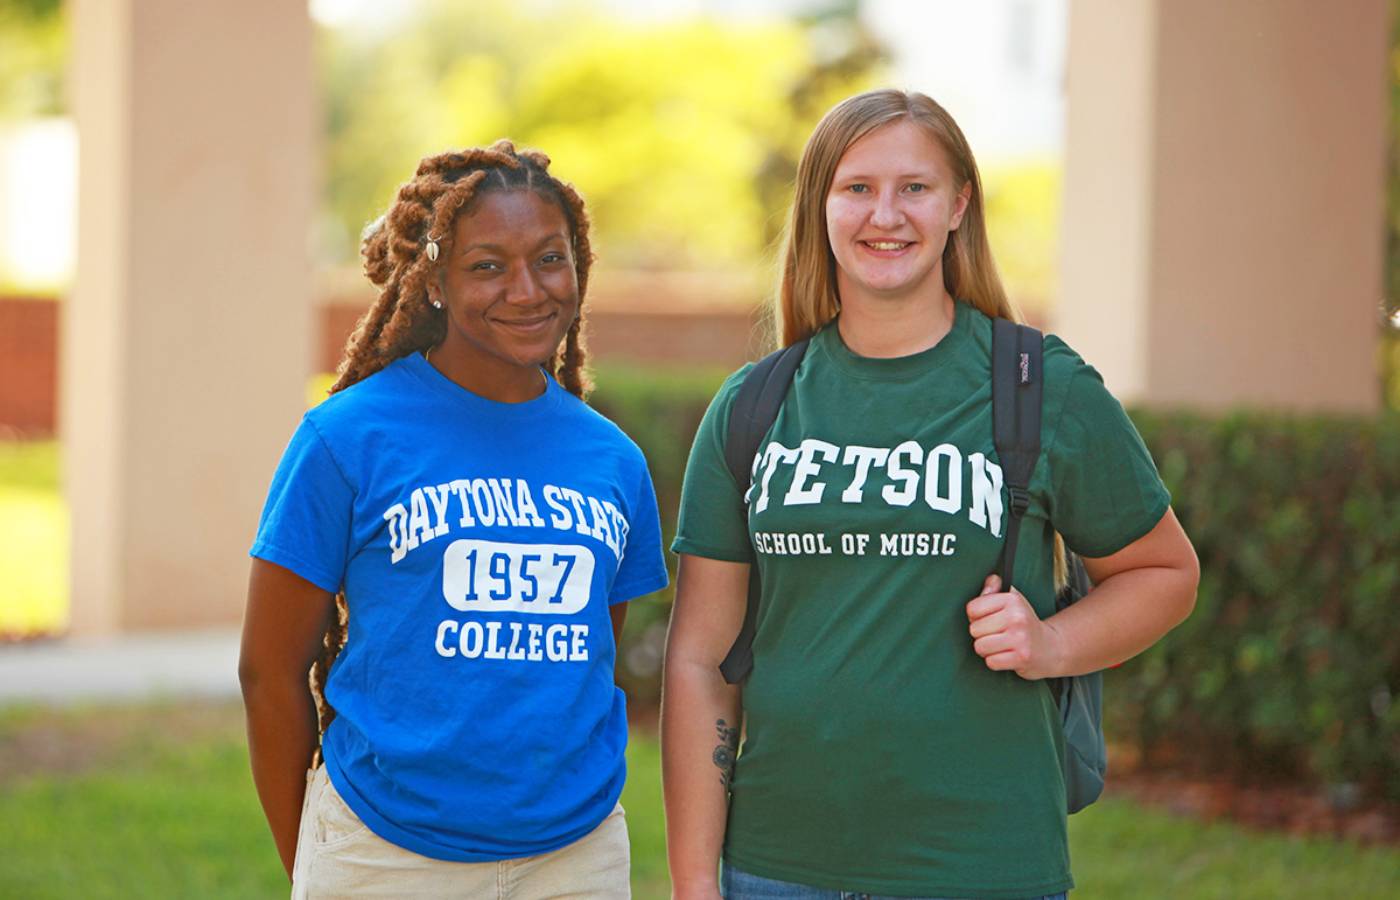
(1016, 402)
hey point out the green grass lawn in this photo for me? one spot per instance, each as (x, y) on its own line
(157, 802)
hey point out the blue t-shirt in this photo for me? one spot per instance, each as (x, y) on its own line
(479, 545)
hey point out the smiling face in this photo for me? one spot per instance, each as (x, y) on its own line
(509, 290)
(892, 202)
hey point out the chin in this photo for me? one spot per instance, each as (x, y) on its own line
(538, 357)
(902, 283)
(891, 287)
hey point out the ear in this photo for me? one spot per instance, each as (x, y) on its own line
(960, 206)
(434, 286)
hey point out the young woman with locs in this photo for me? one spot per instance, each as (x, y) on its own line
(471, 531)
(898, 739)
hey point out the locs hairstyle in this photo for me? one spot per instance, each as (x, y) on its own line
(403, 320)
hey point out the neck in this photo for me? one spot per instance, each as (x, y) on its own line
(488, 377)
(889, 328)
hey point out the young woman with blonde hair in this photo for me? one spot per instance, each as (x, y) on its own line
(481, 530)
(898, 739)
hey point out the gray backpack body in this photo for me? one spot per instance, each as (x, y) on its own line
(1016, 403)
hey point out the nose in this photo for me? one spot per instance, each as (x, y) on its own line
(524, 288)
(887, 213)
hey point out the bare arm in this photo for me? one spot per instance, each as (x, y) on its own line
(700, 720)
(618, 613)
(1140, 593)
(282, 630)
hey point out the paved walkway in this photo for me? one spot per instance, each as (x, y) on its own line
(129, 667)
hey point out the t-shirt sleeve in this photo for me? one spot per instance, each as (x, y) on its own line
(305, 525)
(712, 520)
(642, 569)
(1106, 492)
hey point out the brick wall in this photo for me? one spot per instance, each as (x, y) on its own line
(28, 366)
(701, 338)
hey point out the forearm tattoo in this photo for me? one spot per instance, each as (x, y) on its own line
(726, 752)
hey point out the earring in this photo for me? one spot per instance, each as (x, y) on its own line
(437, 304)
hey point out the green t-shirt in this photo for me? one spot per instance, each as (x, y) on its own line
(881, 755)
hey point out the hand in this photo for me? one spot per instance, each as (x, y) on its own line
(1009, 636)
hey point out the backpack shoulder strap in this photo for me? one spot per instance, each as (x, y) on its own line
(753, 413)
(756, 408)
(1016, 393)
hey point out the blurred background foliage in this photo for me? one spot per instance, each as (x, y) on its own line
(682, 135)
(681, 170)
(33, 53)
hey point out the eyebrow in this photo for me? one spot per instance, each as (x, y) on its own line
(497, 248)
(926, 176)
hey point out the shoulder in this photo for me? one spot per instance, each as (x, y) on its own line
(979, 326)
(1064, 368)
(729, 388)
(717, 416)
(1069, 375)
(1075, 393)
(597, 435)
(346, 413)
(582, 417)
(1062, 363)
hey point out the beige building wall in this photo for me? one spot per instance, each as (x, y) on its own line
(186, 342)
(1224, 200)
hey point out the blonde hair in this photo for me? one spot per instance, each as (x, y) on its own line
(807, 297)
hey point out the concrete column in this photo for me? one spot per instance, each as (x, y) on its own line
(1224, 200)
(186, 342)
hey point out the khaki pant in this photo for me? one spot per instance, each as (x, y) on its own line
(338, 856)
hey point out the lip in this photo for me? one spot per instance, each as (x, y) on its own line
(888, 252)
(528, 324)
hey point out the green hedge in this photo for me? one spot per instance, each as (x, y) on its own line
(660, 409)
(1290, 665)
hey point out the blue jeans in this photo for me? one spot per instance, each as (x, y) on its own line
(736, 884)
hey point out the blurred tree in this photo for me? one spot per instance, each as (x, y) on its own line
(33, 51)
(683, 136)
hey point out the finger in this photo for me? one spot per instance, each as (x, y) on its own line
(985, 605)
(991, 584)
(992, 623)
(993, 644)
(1005, 661)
